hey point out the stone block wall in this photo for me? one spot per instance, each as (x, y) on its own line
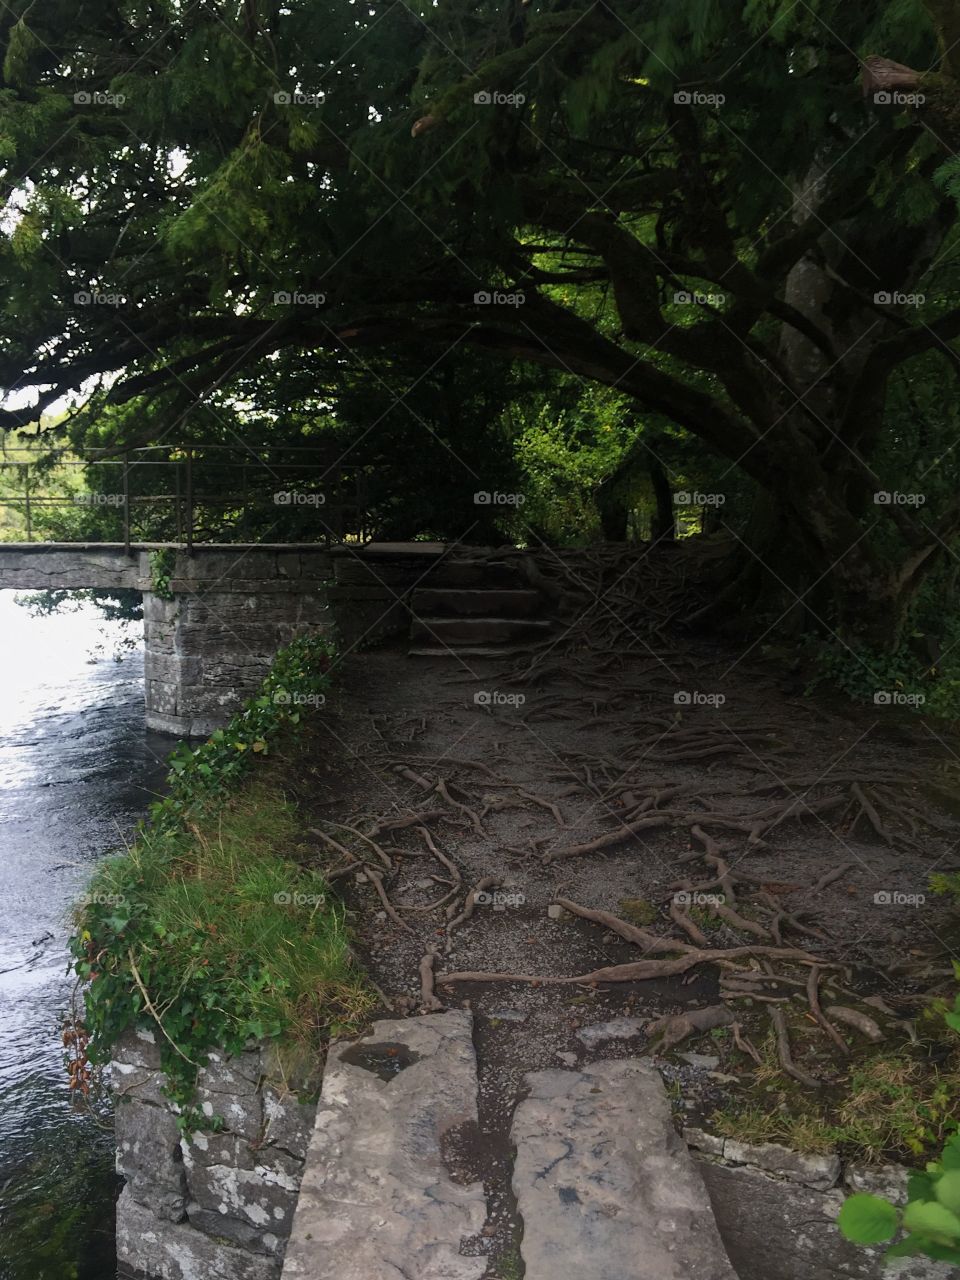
(209, 648)
(217, 1204)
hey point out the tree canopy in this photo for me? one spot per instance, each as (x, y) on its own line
(739, 215)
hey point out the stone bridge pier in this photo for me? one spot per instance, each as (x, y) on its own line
(211, 630)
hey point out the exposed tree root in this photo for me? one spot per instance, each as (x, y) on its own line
(377, 881)
(861, 1022)
(813, 997)
(675, 1028)
(783, 1051)
(429, 1000)
(606, 841)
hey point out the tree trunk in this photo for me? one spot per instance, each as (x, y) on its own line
(664, 526)
(612, 509)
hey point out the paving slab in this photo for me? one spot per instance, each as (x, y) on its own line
(377, 1201)
(605, 1186)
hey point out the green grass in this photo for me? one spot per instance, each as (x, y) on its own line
(226, 927)
(890, 1105)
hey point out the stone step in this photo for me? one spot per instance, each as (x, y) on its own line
(471, 651)
(604, 1184)
(476, 630)
(472, 574)
(499, 602)
(377, 1201)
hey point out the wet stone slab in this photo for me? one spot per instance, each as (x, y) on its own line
(377, 1200)
(605, 1186)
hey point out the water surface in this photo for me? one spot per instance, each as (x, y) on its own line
(77, 769)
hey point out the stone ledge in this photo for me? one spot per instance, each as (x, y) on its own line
(819, 1172)
(178, 1251)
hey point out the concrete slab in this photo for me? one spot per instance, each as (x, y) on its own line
(376, 1200)
(605, 1186)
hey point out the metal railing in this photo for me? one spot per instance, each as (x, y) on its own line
(234, 492)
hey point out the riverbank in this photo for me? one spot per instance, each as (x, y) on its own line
(506, 838)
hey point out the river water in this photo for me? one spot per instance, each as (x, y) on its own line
(77, 769)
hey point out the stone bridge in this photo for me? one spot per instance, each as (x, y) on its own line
(211, 634)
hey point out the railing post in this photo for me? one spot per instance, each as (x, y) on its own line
(26, 494)
(178, 500)
(126, 502)
(189, 502)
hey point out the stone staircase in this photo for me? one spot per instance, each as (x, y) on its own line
(605, 1188)
(452, 601)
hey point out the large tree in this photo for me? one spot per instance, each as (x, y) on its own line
(194, 187)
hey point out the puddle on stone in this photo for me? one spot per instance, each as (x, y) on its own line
(385, 1060)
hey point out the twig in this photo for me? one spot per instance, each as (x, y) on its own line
(148, 1005)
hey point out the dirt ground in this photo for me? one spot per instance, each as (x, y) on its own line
(800, 827)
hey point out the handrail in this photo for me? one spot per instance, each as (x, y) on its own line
(332, 491)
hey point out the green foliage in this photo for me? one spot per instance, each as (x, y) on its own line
(922, 674)
(162, 565)
(272, 159)
(862, 672)
(212, 929)
(296, 683)
(947, 178)
(866, 1219)
(930, 1221)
